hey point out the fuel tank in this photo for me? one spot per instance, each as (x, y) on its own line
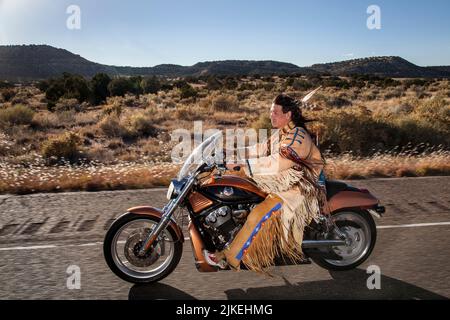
(229, 188)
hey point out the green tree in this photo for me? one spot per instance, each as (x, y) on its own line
(151, 85)
(99, 87)
(119, 87)
(76, 87)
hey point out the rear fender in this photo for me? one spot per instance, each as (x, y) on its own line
(351, 200)
(157, 213)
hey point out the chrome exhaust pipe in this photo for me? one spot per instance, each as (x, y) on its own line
(322, 243)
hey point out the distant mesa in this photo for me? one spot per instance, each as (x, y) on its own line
(19, 63)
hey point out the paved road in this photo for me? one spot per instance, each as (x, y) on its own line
(42, 235)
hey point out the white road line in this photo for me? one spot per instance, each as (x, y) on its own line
(53, 246)
(415, 225)
(50, 246)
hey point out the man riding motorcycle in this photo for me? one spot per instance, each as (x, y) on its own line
(292, 176)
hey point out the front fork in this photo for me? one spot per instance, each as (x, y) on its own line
(168, 211)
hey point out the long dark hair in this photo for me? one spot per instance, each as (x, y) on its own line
(287, 104)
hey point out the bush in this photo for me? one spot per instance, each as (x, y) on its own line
(112, 127)
(213, 84)
(62, 147)
(141, 125)
(8, 94)
(68, 105)
(114, 109)
(225, 103)
(188, 92)
(16, 115)
(341, 131)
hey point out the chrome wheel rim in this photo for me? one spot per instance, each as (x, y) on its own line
(126, 243)
(357, 231)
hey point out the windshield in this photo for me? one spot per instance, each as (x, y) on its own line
(202, 154)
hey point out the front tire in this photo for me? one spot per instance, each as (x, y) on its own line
(361, 228)
(128, 266)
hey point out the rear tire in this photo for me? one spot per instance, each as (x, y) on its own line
(360, 217)
(120, 270)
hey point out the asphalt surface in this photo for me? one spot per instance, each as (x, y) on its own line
(42, 235)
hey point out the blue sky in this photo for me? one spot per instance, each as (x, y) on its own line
(150, 32)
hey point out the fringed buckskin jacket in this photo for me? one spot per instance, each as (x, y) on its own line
(293, 170)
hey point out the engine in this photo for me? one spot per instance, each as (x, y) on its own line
(223, 223)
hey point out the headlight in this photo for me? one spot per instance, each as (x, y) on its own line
(175, 188)
(170, 191)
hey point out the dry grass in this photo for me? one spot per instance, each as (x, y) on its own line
(389, 165)
(128, 138)
(37, 177)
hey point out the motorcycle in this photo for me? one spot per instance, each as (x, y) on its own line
(145, 244)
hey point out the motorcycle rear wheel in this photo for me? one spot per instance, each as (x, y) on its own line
(361, 228)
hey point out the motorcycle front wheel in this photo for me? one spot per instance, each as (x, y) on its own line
(360, 229)
(123, 241)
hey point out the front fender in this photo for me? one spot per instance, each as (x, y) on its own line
(157, 213)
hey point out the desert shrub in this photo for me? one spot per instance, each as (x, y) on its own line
(65, 147)
(66, 118)
(187, 91)
(100, 154)
(111, 127)
(8, 94)
(115, 143)
(141, 125)
(5, 84)
(338, 102)
(247, 86)
(269, 86)
(115, 109)
(401, 109)
(205, 103)
(436, 113)
(45, 120)
(213, 84)
(224, 103)
(393, 93)
(16, 115)
(67, 104)
(342, 131)
(415, 82)
(230, 83)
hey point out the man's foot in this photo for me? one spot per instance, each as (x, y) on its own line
(215, 259)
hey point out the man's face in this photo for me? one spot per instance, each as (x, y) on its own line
(278, 118)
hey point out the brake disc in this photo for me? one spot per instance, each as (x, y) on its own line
(134, 244)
